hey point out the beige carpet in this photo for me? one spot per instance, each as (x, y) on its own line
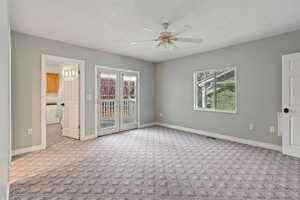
(152, 164)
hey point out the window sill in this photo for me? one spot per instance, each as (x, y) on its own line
(215, 110)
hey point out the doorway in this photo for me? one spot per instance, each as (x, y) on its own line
(117, 97)
(62, 99)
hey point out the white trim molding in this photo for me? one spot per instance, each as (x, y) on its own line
(195, 106)
(89, 137)
(224, 137)
(148, 125)
(44, 59)
(27, 150)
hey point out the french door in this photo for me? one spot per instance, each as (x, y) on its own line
(117, 100)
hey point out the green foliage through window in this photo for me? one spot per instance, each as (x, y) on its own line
(215, 90)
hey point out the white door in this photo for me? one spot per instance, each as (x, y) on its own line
(107, 101)
(71, 100)
(291, 104)
(117, 102)
(128, 101)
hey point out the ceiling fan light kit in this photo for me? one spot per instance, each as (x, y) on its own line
(168, 39)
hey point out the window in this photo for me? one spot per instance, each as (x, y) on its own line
(215, 90)
(52, 82)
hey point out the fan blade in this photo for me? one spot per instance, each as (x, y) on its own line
(142, 41)
(150, 30)
(184, 29)
(192, 40)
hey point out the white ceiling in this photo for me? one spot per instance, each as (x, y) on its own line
(110, 25)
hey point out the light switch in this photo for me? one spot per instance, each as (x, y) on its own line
(251, 127)
(88, 97)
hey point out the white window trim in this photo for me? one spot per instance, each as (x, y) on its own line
(195, 108)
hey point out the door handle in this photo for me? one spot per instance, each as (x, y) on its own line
(62, 104)
(286, 110)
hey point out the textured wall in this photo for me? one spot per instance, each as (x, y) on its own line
(26, 83)
(259, 88)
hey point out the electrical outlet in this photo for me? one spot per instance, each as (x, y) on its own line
(251, 127)
(29, 131)
(272, 129)
(161, 115)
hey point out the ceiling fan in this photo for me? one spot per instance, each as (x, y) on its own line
(168, 39)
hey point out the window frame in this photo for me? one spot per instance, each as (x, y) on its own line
(196, 108)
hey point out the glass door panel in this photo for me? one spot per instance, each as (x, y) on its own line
(129, 101)
(107, 102)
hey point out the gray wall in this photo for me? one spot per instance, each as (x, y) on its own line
(26, 83)
(4, 99)
(259, 88)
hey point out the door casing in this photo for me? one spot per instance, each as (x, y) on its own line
(98, 67)
(44, 59)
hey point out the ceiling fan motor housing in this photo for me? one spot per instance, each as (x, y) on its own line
(165, 25)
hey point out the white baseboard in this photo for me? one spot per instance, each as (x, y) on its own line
(147, 125)
(27, 150)
(89, 137)
(224, 137)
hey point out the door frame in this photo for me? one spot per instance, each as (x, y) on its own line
(44, 59)
(99, 67)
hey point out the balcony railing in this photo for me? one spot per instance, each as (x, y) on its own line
(108, 108)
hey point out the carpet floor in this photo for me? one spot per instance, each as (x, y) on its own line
(54, 134)
(154, 164)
